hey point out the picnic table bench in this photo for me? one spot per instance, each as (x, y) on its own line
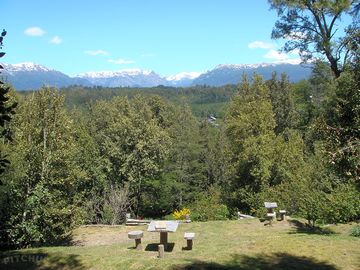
(271, 214)
(137, 235)
(189, 236)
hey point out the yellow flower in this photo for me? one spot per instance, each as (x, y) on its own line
(181, 214)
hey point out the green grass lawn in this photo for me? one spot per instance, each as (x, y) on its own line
(243, 244)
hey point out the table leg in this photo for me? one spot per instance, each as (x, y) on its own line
(164, 238)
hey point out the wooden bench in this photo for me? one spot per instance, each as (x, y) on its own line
(189, 236)
(134, 222)
(137, 235)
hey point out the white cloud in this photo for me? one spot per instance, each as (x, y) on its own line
(56, 40)
(294, 61)
(295, 36)
(121, 61)
(96, 52)
(279, 57)
(274, 54)
(260, 45)
(34, 32)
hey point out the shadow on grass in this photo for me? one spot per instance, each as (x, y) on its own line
(155, 247)
(301, 227)
(65, 240)
(14, 260)
(278, 261)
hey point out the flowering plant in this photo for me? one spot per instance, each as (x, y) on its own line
(181, 214)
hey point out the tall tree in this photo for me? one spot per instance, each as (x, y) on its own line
(311, 27)
(185, 156)
(250, 127)
(6, 111)
(283, 103)
(42, 183)
(342, 125)
(131, 141)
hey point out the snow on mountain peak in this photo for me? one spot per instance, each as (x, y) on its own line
(258, 65)
(119, 73)
(243, 66)
(184, 75)
(25, 66)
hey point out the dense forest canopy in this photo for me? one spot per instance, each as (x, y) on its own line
(84, 155)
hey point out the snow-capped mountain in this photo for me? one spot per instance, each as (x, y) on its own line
(182, 79)
(27, 76)
(231, 74)
(125, 77)
(26, 66)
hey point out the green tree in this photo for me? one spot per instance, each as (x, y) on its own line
(341, 125)
(311, 27)
(41, 186)
(283, 103)
(91, 184)
(250, 127)
(185, 156)
(6, 112)
(131, 141)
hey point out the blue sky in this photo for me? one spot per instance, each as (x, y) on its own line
(166, 36)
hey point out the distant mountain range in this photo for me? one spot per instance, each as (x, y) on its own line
(29, 76)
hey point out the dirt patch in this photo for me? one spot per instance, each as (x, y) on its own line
(107, 235)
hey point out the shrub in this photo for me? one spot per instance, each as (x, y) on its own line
(355, 231)
(157, 198)
(117, 203)
(343, 206)
(209, 207)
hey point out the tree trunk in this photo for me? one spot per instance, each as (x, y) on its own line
(334, 65)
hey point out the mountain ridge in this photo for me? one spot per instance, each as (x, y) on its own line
(29, 76)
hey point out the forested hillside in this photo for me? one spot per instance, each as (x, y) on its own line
(89, 155)
(203, 100)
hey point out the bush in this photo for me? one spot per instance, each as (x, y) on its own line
(157, 197)
(116, 205)
(343, 204)
(209, 207)
(355, 231)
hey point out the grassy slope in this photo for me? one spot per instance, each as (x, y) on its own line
(245, 244)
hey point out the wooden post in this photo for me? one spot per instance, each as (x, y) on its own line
(161, 251)
(138, 245)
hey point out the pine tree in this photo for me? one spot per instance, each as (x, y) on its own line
(6, 112)
(250, 124)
